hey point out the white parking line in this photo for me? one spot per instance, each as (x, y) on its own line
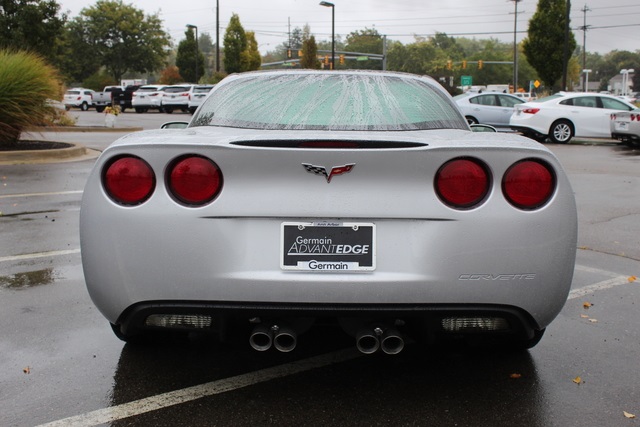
(153, 403)
(605, 284)
(53, 193)
(39, 255)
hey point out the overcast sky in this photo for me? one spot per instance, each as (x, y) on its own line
(612, 24)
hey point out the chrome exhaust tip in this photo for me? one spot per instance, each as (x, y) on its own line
(261, 338)
(285, 339)
(391, 342)
(368, 340)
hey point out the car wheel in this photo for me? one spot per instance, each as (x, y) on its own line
(472, 120)
(140, 110)
(99, 109)
(561, 132)
(168, 110)
(84, 106)
(67, 108)
(192, 110)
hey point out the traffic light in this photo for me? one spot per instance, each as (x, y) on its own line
(449, 64)
(480, 64)
(288, 53)
(326, 60)
(341, 59)
(464, 64)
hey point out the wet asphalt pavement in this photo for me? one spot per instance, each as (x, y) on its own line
(61, 363)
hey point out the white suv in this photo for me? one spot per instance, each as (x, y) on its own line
(176, 97)
(79, 98)
(147, 97)
(197, 95)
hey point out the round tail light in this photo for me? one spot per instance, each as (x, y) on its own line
(129, 180)
(462, 183)
(194, 180)
(529, 184)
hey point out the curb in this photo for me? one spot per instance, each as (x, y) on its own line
(41, 129)
(73, 153)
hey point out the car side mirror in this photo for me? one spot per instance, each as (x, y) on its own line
(174, 125)
(483, 128)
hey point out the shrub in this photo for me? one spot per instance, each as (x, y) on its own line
(26, 83)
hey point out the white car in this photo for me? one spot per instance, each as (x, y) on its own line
(564, 115)
(489, 108)
(625, 127)
(175, 97)
(78, 97)
(197, 95)
(147, 97)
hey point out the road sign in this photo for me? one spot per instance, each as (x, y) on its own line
(466, 80)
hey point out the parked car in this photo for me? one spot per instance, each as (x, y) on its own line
(526, 96)
(197, 94)
(491, 108)
(102, 100)
(147, 97)
(78, 97)
(361, 198)
(564, 115)
(124, 97)
(625, 127)
(176, 97)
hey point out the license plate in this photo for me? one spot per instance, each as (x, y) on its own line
(622, 125)
(328, 246)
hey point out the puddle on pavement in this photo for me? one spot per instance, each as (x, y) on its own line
(29, 279)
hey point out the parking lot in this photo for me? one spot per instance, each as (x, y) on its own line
(62, 365)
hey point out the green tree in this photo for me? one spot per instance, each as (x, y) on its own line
(186, 59)
(310, 58)
(235, 42)
(250, 57)
(32, 25)
(119, 37)
(27, 81)
(365, 41)
(544, 45)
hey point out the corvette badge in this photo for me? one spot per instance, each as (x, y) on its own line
(335, 170)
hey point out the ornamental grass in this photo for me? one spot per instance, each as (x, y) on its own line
(26, 83)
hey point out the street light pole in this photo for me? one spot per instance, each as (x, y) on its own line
(515, 47)
(333, 31)
(217, 36)
(197, 50)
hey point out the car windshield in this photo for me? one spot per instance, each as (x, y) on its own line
(149, 89)
(176, 89)
(202, 89)
(329, 101)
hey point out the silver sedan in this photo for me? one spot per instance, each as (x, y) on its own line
(362, 199)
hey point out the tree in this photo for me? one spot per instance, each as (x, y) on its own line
(310, 54)
(170, 76)
(235, 42)
(365, 41)
(251, 59)
(120, 38)
(186, 59)
(544, 45)
(32, 25)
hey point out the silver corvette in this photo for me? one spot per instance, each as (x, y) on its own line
(362, 199)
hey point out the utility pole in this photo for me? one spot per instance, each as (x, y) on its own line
(515, 46)
(565, 59)
(584, 28)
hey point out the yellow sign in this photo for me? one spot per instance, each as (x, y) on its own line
(536, 84)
